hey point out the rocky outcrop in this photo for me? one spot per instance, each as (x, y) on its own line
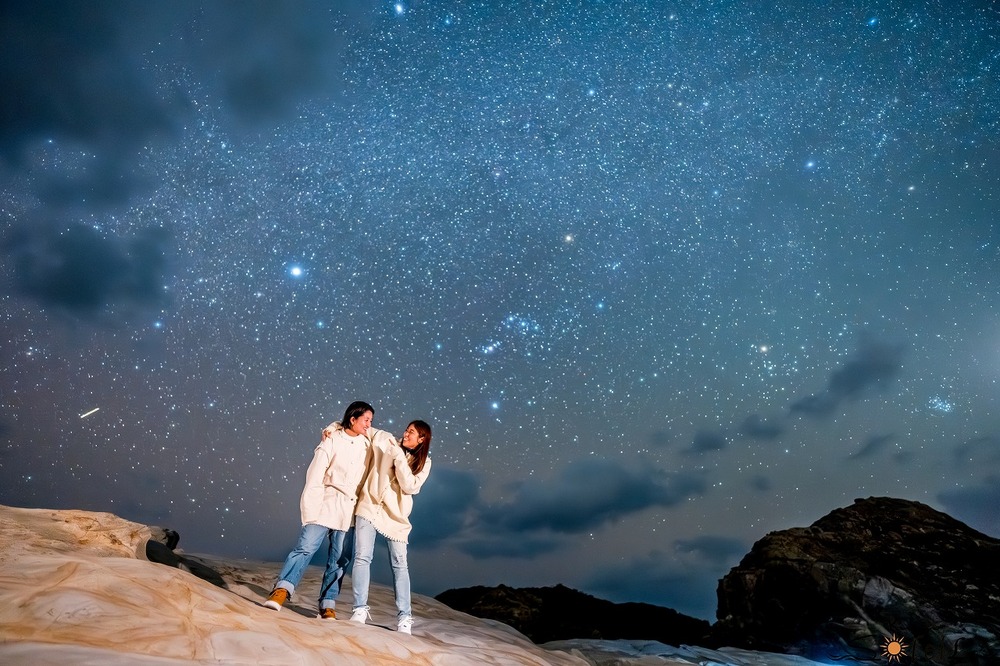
(861, 576)
(546, 614)
(75, 588)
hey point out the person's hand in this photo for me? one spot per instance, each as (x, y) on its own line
(398, 455)
(327, 432)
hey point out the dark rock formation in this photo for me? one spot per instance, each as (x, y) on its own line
(161, 545)
(161, 549)
(546, 614)
(880, 569)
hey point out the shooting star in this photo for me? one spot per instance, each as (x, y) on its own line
(83, 416)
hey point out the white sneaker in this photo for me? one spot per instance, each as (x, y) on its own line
(361, 614)
(404, 624)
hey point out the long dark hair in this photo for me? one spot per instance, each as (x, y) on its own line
(418, 456)
(355, 410)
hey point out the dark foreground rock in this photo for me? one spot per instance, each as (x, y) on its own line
(879, 569)
(546, 614)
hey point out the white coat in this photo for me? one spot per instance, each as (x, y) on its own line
(386, 497)
(333, 481)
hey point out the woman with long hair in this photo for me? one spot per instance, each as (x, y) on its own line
(397, 473)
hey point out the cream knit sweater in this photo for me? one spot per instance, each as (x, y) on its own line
(386, 496)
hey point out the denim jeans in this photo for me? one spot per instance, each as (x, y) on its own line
(311, 537)
(364, 538)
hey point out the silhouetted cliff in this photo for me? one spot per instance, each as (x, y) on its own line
(546, 614)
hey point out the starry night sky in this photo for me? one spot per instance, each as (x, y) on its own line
(662, 276)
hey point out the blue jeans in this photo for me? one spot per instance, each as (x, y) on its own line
(337, 558)
(364, 538)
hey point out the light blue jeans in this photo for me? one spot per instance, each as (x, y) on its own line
(338, 556)
(364, 542)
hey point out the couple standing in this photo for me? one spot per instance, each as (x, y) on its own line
(360, 482)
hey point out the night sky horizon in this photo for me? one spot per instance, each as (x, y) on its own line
(662, 277)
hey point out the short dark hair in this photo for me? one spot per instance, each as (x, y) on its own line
(354, 411)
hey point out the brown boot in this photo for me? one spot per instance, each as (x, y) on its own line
(277, 599)
(328, 614)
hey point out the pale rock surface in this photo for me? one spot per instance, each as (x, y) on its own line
(76, 588)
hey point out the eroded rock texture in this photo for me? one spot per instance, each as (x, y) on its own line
(879, 569)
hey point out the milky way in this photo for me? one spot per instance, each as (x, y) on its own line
(662, 277)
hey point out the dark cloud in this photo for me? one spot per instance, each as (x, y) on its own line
(760, 483)
(977, 506)
(590, 493)
(817, 405)
(656, 579)
(660, 439)
(67, 70)
(716, 551)
(756, 426)
(510, 546)
(272, 55)
(105, 181)
(904, 457)
(83, 271)
(443, 508)
(981, 449)
(872, 445)
(111, 78)
(874, 364)
(706, 441)
(585, 496)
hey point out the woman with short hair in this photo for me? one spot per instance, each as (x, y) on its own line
(327, 506)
